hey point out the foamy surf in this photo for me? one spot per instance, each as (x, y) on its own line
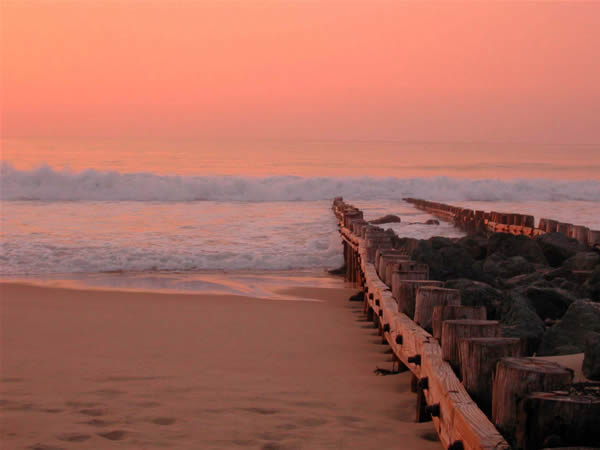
(48, 184)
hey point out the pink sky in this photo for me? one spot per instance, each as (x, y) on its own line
(434, 71)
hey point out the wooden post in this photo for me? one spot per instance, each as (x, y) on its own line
(455, 330)
(580, 233)
(405, 266)
(478, 358)
(387, 261)
(427, 298)
(405, 291)
(563, 228)
(517, 377)
(593, 237)
(451, 312)
(559, 418)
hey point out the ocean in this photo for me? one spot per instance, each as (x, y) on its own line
(195, 216)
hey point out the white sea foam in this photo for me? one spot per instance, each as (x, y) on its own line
(48, 184)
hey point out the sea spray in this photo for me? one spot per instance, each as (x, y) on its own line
(47, 184)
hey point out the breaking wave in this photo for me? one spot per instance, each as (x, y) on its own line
(48, 184)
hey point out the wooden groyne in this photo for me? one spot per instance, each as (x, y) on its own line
(499, 222)
(406, 307)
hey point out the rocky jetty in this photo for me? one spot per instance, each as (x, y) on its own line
(544, 290)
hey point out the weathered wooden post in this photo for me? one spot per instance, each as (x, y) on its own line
(579, 232)
(452, 312)
(478, 358)
(517, 377)
(404, 266)
(405, 291)
(563, 228)
(427, 298)
(455, 330)
(559, 419)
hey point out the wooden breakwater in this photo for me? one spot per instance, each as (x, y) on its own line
(498, 400)
(500, 222)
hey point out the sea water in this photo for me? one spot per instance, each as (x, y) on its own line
(153, 221)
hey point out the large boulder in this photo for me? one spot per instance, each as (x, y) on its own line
(582, 261)
(557, 247)
(549, 303)
(591, 357)
(475, 244)
(476, 293)
(446, 259)
(390, 218)
(520, 320)
(591, 288)
(569, 335)
(501, 267)
(527, 279)
(509, 245)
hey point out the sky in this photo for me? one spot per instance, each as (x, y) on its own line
(342, 70)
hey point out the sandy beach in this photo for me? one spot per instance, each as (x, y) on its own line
(106, 369)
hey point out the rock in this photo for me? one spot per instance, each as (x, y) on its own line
(390, 218)
(560, 272)
(432, 222)
(591, 288)
(591, 358)
(510, 245)
(549, 303)
(570, 333)
(520, 320)
(446, 259)
(582, 261)
(500, 267)
(476, 293)
(557, 247)
(527, 279)
(475, 244)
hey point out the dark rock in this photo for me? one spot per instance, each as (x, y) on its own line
(446, 259)
(390, 218)
(510, 245)
(476, 293)
(560, 272)
(498, 266)
(475, 244)
(570, 333)
(549, 303)
(582, 261)
(432, 222)
(557, 247)
(520, 320)
(591, 288)
(527, 279)
(591, 358)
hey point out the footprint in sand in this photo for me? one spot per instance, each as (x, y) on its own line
(98, 423)
(163, 421)
(430, 436)
(264, 411)
(93, 412)
(74, 437)
(115, 435)
(44, 447)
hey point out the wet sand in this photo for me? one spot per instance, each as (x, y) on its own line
(106, 369)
